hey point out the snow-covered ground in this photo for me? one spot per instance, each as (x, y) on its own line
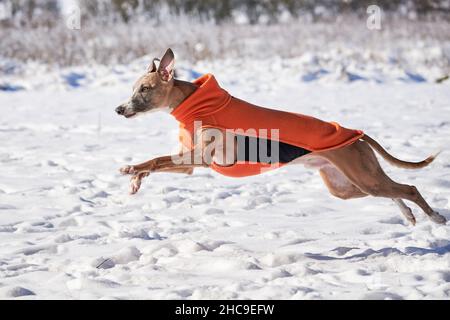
(70, 230)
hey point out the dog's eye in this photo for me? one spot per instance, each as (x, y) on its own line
(145, 89)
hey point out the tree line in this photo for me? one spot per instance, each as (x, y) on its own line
(224, 10)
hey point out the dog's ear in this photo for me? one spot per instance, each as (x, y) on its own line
(152, 66)
(166, 65)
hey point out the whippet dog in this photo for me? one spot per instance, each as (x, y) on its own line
(349, 172)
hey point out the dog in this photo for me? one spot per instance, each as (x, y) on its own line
(349, 169)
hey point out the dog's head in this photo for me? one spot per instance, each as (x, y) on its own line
(151, 91)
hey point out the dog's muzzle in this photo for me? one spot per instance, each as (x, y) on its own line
(123, 110)
(120, 110)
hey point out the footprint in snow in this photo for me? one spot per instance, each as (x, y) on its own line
(223, 195)
(37, 249)
(16, 292)
(7, 206)
(8, 228)
(214, 211)
(72, 222)
(340, 251)
(393, 220)
(258, 201)
(137, 234)
(101, 194)
(174, 199)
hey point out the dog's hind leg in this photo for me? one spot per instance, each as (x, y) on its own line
(407, 212)
(341, 187)
(338, 185)
(360, 165)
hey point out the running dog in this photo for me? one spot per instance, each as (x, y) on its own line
(220, 132)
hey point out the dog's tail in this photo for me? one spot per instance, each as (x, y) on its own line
(397, 162)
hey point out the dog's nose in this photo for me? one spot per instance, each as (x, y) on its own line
(120, 110)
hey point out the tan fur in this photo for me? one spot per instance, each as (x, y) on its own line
(348, 172)
(397, 162)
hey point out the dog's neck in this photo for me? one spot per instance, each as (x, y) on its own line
(180, 91)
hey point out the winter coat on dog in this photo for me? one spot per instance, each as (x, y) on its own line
(216, 108)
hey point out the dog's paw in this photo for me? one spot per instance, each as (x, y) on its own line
(135, 184)
(437, 218)
(127, 170)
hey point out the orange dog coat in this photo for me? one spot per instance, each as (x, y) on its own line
(216, 108)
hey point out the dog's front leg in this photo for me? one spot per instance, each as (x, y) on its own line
(176, 164)
(183, 163)
(135, 169)
(202, 155)
(136, 180)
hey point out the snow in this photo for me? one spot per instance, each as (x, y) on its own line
(70, 230)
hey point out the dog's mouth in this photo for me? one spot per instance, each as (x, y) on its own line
(131, 115)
